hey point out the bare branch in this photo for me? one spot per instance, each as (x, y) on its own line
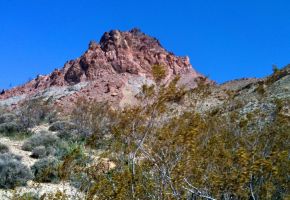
(196, 191)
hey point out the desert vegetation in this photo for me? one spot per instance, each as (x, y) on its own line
(12, 172)
(191, 155)
(157, 149)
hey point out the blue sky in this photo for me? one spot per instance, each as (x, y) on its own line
(224, 39)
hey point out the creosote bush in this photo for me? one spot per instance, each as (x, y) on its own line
(190, 155)
(74, 159)
(92, 120)
(34, 111)
(158, 72)
(12, 172)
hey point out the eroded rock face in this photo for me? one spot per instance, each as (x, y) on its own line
(108, 66)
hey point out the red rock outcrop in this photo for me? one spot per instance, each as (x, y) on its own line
(119, 63)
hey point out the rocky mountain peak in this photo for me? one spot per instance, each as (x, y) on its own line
(133, 40)
(122, 60)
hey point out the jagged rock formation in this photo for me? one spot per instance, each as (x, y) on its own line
(112, 70)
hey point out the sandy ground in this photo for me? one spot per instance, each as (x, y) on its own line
(43, 190)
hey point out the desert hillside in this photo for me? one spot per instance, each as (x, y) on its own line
(130, 120)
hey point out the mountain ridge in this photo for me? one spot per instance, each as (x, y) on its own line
(107, 68)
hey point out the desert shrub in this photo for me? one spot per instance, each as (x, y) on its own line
(82, 117)
(39, 152)
(277, 74)
(62, 149)
(92, 118)
(58, 195)
(193, 156)
(12, 172)
(62, 126)
(21, 135)
(9, 127)
(7, 117)
(25, 196)
(70, 135)
(42, 151)
(65, 130)
(158, 72)
(74, 158)
(46, 170)
(80, 180)
(74, 165)
(4, 148)
(42, 139)
(34, 111)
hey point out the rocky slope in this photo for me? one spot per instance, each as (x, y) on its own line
(253, 100)
(112, 70)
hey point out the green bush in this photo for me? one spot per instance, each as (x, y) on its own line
(9, 127)
(4, 148)
(12, 172)
(39, 152)
(42, 151)
(62, 149)
(46, 170)
(45, 139)
(74, 159)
